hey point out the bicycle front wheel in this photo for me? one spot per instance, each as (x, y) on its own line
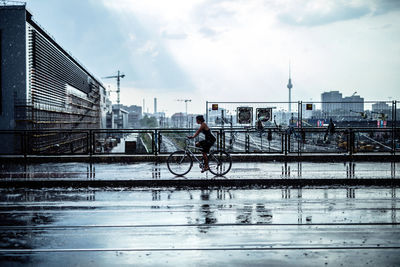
(220, 162)
(179, 163)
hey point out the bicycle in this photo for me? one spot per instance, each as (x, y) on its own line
(181, 162)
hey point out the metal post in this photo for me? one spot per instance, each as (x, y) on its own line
(223, 141)
(300, 124)
(231, 142)
(221, 132)
(91, 142)
(25, 143)
(395, 121)
(247, 144)
(222, 118)
(207, 112)
(286, 143)
(394, 125)
(159, 142)
(153, 142)
(87, 142)
(351, 137)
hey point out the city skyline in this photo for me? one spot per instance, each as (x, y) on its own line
(229, 50)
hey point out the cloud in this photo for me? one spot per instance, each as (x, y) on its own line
(313, 14)
(150, 48)
(385, 6)
(207, 32)
(173, 36)
(317, 12)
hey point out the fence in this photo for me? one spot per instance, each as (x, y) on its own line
(268, 140)
(303, 114)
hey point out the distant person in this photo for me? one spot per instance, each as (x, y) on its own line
(205, 144)
(260, 126)
(330, 130)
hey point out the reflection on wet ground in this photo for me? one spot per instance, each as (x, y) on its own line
(228, 206)
(278, 226)
(155, 171)
(251, 222)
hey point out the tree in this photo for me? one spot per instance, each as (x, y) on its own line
(148, 122)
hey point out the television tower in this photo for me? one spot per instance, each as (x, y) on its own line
(290, 86)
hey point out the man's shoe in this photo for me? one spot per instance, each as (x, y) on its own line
(205, 169)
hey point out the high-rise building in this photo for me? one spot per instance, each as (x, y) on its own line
(331, 101)
(380, 107)
(353, 104)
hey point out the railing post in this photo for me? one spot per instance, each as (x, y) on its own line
(90, 142)
(351, 142)
(220, 138)
(286, 143)
(159, 141)
(299, 125)
(87, 142)
(25, 143)
(207, 112)
(394, 119)
(247, 142)
(153, 142)
(223, 140)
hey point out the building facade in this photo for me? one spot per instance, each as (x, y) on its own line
(331, 101)
(43, 87)
(353, 104)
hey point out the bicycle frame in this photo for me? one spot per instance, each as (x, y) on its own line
(187, 150)
(218, 167)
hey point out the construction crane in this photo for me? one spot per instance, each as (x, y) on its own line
(362, 114)
(118, 76)
(186, 101)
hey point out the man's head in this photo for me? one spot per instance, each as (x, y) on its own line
(199, 119)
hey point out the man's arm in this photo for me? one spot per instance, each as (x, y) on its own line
(197, 132)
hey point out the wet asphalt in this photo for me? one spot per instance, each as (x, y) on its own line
(277, 226)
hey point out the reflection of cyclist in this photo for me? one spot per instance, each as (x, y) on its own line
(204, 144)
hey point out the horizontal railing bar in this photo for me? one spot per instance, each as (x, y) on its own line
(195, 129)
(266, 248)
(33, 227)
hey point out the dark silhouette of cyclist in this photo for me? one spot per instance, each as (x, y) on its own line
(205, 144)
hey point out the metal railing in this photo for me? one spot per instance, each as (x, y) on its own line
(269, 140)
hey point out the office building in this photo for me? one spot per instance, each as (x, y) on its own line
(353, 104)
(43, 87)
(331, 101)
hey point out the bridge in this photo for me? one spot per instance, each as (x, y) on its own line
(281, 212)
(294, 197)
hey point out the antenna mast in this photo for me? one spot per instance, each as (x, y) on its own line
(290, 86)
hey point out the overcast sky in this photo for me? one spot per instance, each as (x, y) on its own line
(231, 50)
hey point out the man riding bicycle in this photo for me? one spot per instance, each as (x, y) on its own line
(205, 144)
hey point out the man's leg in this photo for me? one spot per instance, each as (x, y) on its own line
(205, 160)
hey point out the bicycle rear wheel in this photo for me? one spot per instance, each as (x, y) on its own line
(220, 162)
(179, 163)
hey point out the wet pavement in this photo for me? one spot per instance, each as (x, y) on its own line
(240, 170)
(321, 226)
